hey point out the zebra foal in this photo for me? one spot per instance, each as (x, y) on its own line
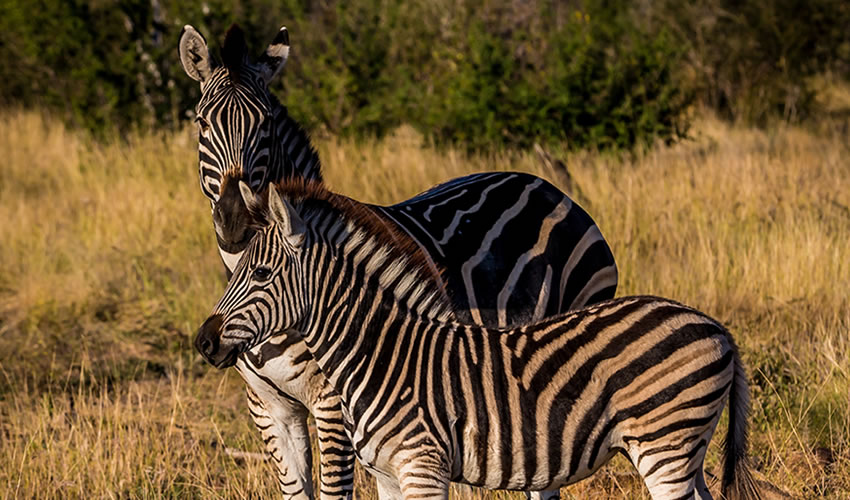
(426, 400)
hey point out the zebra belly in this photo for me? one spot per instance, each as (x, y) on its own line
(516, 474)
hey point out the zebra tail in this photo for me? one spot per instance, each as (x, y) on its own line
(738, 481)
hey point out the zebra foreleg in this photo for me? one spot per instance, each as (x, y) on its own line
(543, 495)
(388, 488)
(420, 479)
(287, 438)
(337, 455)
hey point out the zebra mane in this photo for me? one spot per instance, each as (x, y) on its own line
(296, 129)
(313, 196)
(234, 52)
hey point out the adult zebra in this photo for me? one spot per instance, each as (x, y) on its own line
(427, 400)
(512, 246)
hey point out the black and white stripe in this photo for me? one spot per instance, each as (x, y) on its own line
(427, 400)
(512, 246)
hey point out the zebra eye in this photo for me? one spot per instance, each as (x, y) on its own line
(262, 273)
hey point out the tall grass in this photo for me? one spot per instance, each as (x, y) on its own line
(108, 265)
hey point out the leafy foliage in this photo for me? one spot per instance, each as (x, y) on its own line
(753, 60)
(595, 83)
(605, 73)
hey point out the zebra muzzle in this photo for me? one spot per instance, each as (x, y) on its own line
(208, 343)
(231, 218)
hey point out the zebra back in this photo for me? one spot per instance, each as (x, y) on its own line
(514, 247)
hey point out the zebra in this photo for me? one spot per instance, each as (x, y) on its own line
(511, 248)
(427, 400)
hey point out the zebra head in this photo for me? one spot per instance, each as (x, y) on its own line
(236, 131)
(265, 296)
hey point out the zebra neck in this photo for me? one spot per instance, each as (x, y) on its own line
(362, 287)
(295, 154)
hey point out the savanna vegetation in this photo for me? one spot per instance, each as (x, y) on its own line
(479, 74)
(109, 265)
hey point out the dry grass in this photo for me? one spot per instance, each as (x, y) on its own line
(108, 265)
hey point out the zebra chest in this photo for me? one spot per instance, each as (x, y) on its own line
(281, 369)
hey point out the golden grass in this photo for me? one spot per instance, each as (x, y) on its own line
(109, 264)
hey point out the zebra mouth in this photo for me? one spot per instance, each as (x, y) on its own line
(228, 360)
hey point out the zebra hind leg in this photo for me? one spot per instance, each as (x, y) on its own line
(688, 487)
(701, 491)
(675, 474)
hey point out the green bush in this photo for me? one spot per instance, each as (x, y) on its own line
(342, 76)
(484, 73)
(753, 60)
(596, 83)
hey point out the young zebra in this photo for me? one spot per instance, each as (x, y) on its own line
(427, 400)
(512, 248)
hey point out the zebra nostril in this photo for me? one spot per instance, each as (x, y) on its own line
(206, 342)
(206, 346)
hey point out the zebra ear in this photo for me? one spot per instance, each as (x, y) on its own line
(284, 214)
(195, 55)
(248, 196)
(274, 58)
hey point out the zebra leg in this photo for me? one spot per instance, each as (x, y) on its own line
(423, 482)
(701, 492)
(691, 487)
(336, 478)
(388, 488)
(543, 495)
(284, 430)
(673, 472)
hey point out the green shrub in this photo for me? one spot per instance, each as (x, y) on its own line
(595, 84)
(484, 73)
(753, 60)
